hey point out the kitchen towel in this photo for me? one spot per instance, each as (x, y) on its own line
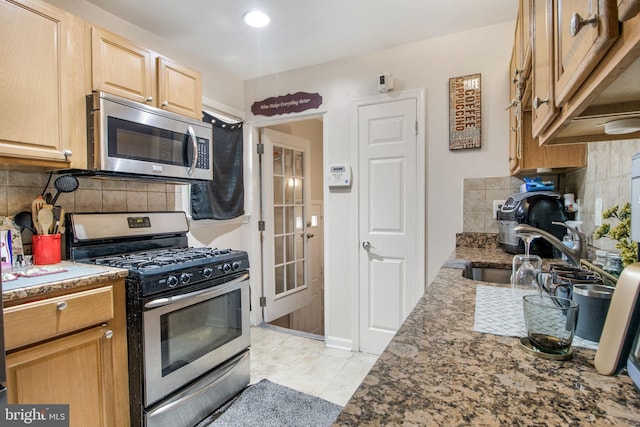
(222, 198)
(499, 312)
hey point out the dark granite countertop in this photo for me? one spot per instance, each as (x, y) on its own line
(438, 371)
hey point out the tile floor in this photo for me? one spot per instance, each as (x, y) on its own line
(306, 365)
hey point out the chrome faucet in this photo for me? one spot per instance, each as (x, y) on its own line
(576, 253)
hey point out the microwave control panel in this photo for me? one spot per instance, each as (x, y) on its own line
(339, 176)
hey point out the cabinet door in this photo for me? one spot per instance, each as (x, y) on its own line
(543, 103)
(41, 85)
(75, 370)
(585, 29)
(121, 68)
(179, 89)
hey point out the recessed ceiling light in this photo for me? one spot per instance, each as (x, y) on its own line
(256, 19)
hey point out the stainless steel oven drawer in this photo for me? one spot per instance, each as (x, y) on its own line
(192, 404)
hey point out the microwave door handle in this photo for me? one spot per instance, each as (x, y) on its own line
(194, 143)
(159, 302)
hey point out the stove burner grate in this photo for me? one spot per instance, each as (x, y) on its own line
(161, 257)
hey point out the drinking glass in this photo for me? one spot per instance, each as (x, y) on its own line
(550, 322)
(526, 270)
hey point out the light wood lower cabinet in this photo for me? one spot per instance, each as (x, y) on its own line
(71, 349)
(74, 370)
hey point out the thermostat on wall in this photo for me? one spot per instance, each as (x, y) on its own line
(339, 176)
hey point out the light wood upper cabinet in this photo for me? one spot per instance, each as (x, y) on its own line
(598, 87)
(71, 349)
(542, 95)
(525, 154)
(42, 113)
(179, 88)
(122, 68)
(585, 29)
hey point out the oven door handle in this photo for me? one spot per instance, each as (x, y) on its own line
(160, 302)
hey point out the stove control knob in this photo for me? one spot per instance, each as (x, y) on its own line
(207, 272)
(185, 278)
(172, 281)
(235, 265)
(226, 268)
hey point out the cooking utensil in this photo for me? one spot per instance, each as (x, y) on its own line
(58, 216)
(45, 219)
(24, 220)
(36, 206)
(64, 184)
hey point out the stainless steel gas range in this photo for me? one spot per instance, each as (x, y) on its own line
(187, 312)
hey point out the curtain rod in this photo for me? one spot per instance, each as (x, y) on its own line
(222, 115)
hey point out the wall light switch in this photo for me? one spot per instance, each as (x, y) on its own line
(496, 207)
(598, 211)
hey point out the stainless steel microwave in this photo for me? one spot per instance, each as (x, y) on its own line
(127, 138)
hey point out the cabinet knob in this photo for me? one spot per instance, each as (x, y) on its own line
(109, 334)
(537, 102)
(62, 305)
(577, 22)
(165, 104)
(150, 100)
(67, 154)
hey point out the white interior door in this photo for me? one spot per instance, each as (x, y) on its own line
(388, 222)
(285, 209)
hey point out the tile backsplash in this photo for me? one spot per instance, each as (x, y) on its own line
(19, 188)
(477, 206)
(607, 176)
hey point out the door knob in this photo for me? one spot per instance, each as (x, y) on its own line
(310, 235)
(367, 245)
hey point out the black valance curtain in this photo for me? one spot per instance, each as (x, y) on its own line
(222, 198)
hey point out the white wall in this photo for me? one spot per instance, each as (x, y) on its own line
(428, 64)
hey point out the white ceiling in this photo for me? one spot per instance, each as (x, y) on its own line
(302, 32)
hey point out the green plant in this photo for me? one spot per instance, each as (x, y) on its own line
(621, 232)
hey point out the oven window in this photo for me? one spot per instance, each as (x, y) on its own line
(135, 141)
(191, 332)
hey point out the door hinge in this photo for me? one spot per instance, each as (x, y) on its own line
(263, 301)
(416, 127)
(260, 148)
(261, 226)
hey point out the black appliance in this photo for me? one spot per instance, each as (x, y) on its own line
(187, 312)
(538, 209)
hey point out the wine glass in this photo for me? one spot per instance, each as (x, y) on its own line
(526, 269)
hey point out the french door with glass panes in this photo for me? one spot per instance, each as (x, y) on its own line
(285, 190)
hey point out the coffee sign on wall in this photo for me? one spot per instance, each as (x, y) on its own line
(296, 103)
(465, 113)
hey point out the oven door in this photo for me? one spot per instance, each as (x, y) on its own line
(187, 335)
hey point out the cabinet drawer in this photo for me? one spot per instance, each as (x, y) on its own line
(37, 321)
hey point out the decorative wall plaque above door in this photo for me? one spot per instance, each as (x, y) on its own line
(285, 104)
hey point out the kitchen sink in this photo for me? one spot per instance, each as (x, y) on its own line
(488, 274)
